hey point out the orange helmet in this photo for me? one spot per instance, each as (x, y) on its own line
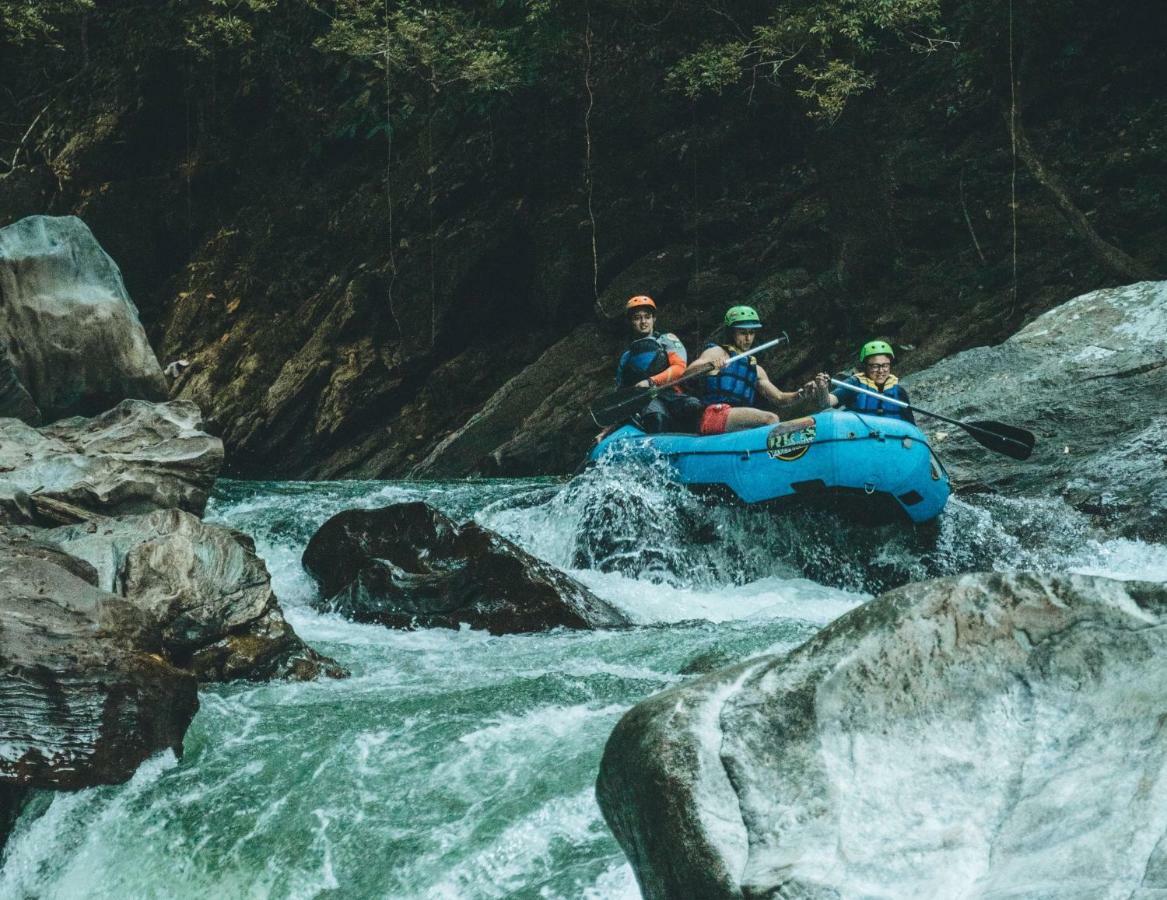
(640, 301)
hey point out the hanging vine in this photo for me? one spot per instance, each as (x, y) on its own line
(588, 182)
(391, 240)
(696, 211)
(429, 159)
(1013, 148)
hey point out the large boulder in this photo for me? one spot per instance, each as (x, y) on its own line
(987, 735)
(68, 329)
(134, 458)
(408, 565)
(205, 588)
(84, 694)
(1090, 379)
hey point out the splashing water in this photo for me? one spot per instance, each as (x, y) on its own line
(457, 764)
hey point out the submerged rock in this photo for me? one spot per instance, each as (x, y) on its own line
(203, 586)
(84, 694)
(987, 735)
(12, 800)
(70, 333)
(1089, 378)
(408, 565)
(134, 458)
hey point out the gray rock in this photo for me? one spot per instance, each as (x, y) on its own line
(14, 399)
(408, 565)
(987, 735)
(134, 458)
(12, 801)
(536, 408)
(84, 695)
(203, 586)
(1089, 378)
(68, 329)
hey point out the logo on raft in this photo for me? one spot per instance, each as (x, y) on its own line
(790, 440)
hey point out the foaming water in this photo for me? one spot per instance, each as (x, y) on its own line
(459, 764)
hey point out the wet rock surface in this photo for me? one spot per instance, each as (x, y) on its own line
(986, 735)
(408, 565)
(12, 800)
(85, 695)
(205, 588)
(69, 331)
(134, 458)
(535, 415)
(1089, 378)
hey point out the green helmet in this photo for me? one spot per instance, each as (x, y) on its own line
(875, 348)
(742, 317)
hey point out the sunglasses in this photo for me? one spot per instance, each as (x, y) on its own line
(877, 366)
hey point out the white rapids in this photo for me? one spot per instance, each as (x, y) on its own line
(458, 764)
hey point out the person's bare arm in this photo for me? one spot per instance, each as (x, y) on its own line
(709, 361)
(777, 397)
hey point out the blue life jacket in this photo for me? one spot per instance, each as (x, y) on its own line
(736, 384)
(862, 403)
(647, 356)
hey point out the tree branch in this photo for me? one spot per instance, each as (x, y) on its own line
(20, 146)
(1115, 259)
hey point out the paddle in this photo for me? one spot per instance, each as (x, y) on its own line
(627, 402)
(998, 437)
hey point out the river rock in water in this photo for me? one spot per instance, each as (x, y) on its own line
(69, 330)
(986, 735)
(408, 565)
(134, 458)
(205, 588)
(84, 694)
(1089, 378)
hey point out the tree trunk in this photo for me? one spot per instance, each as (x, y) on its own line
(856, 183)
(1108, 254)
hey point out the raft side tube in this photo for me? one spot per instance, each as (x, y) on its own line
(839, 452)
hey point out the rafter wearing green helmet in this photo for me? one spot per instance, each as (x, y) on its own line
(742, 317)
(875, 377)
(873, 348)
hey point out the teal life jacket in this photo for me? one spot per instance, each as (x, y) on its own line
(736, 384)
(864, 403)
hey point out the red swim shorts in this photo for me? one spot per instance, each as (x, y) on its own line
(714, 418)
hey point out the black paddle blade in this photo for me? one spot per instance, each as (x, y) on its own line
(1005, 439)
(623, 404)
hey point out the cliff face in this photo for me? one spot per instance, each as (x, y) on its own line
(439, 311)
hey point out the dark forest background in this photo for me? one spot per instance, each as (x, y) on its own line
(395, 238)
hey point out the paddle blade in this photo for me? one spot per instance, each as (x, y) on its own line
(1005, 439)
(622, 405)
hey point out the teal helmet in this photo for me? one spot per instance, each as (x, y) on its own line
(876, 348)
(742, 317)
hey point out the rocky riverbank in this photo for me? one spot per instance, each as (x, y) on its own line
(116, 599)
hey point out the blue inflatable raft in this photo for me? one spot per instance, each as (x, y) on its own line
(884, 463)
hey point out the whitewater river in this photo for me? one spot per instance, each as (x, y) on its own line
(456, 764)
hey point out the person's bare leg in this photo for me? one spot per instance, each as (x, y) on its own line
(743, 417)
